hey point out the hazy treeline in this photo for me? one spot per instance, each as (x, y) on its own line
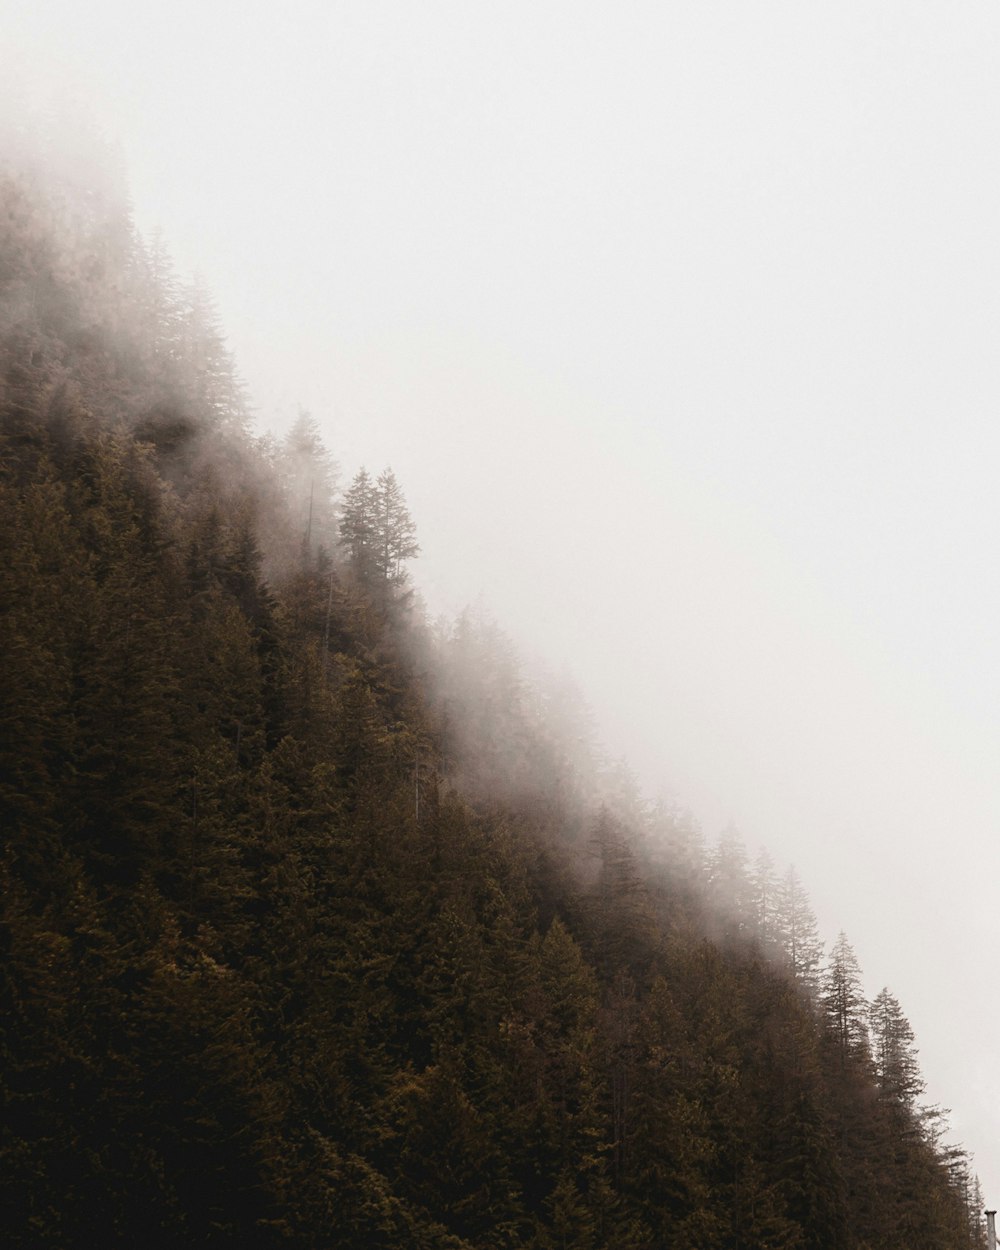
(324, 926)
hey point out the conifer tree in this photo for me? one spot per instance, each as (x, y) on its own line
(377, 530)
(844, 1006)
(359, 525)
(894, 1052)
(620, 916)
(677, 839)
(764, 895)
(729, 884)
(797, 933)
(396, 540)
(157, 299)
(209, 372)
(310, 478)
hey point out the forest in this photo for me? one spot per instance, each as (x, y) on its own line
(324, 924)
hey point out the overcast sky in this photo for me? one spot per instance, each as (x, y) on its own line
(678, 322)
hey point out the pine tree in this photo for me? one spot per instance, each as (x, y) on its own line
(620, 917)
(310, 477)
(797, 933)
(764, 896)
(377, 531)
(396, 534)
(729, 885)
(359, 525)
(157, 300)
(844, 1006)
(894, 1053)
(208, 370)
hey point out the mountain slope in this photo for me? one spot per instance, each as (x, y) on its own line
(315, 931)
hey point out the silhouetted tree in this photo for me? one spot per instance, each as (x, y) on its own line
(845, 1008)
(396, 540)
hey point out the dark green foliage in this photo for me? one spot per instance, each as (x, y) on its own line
(302, 949)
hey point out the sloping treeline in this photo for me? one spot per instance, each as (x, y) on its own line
(317, 928)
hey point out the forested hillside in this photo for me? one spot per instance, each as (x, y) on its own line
(324, 927)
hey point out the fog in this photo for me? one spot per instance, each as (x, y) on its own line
(678, 325)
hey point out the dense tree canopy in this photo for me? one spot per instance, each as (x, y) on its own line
(323, 928)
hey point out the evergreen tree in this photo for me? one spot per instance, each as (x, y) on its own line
(729, 885)
(157, 297)
(797, 933)
(377, 530)
(620, 915)
(310, 478)
(396, 535)
(764, 898)
(359, 525)
(209, 372)
(845, 1009)
(894, 1053)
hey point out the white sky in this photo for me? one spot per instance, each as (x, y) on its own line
(679, 325)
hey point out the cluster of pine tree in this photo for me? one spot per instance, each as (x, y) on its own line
(325, 928)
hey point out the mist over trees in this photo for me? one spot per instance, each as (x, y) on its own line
(377, 530)
(326, 926)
